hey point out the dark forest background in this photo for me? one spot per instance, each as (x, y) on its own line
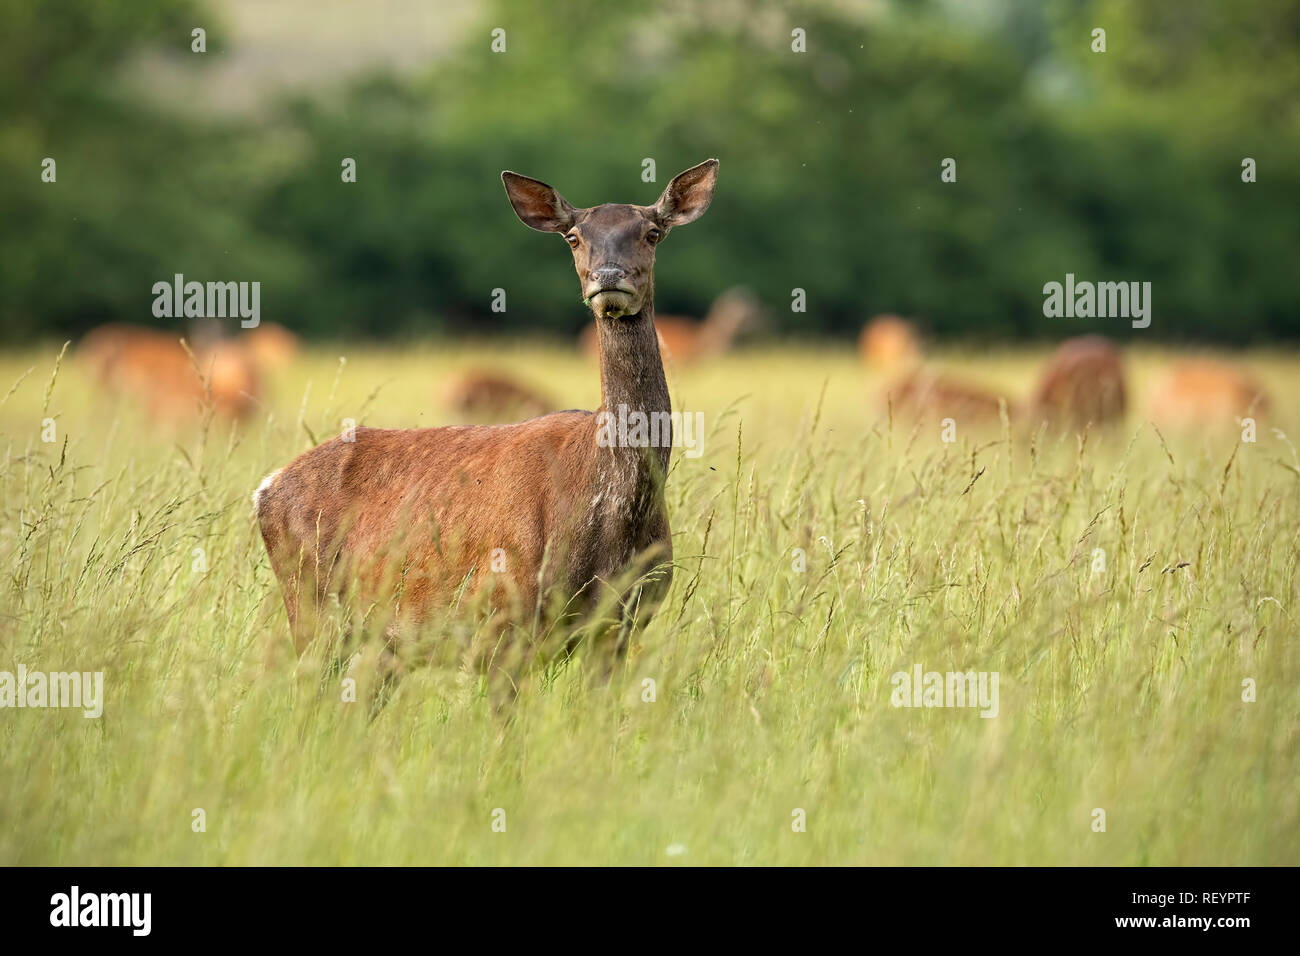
(1123, 165)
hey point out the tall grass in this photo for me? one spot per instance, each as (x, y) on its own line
(1120, 689)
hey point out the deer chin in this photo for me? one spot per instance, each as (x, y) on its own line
(612, 304)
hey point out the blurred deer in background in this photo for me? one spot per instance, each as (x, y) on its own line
(1082, 383)
(1204, 391)
(271, 345)
(550, 519)
(479, 394)
(732, 314)
(154, 369)
(925, 395)
(890, 344)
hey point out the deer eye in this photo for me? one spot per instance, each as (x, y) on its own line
(653, 236)
(572, 239)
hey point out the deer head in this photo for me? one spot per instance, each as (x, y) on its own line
(614, 244)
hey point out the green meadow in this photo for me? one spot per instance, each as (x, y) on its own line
(1135, 594)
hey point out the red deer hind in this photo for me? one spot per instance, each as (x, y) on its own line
(1206, 393)
(1082, 384)
(483, 394)
(925, 394)
(521, 514)
(890, 344)
(153, 368)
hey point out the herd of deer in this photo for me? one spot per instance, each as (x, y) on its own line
(1082, 384)
(550, 525)
(174, 381)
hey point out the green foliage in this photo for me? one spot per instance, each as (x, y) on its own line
(1117, 166)
(140, 194)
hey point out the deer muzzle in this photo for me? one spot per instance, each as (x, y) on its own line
(614, 301)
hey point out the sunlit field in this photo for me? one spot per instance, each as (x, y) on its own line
(1123, 588)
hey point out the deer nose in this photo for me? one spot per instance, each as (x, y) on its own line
(608, 277)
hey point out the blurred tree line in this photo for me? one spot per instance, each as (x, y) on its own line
(1122, 165)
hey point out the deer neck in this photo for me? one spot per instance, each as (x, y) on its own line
(630, 471)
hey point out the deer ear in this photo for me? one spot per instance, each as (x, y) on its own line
(538, 205)
(688, 195)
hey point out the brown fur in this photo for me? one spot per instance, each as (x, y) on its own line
(486, 394)
(1083, 383)
(589, 342)
(927, 395)
(153, 368)
(1203, 391)
(889, 343)
(271, 345)
(409, 520)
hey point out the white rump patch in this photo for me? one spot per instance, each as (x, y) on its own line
(263, 487)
